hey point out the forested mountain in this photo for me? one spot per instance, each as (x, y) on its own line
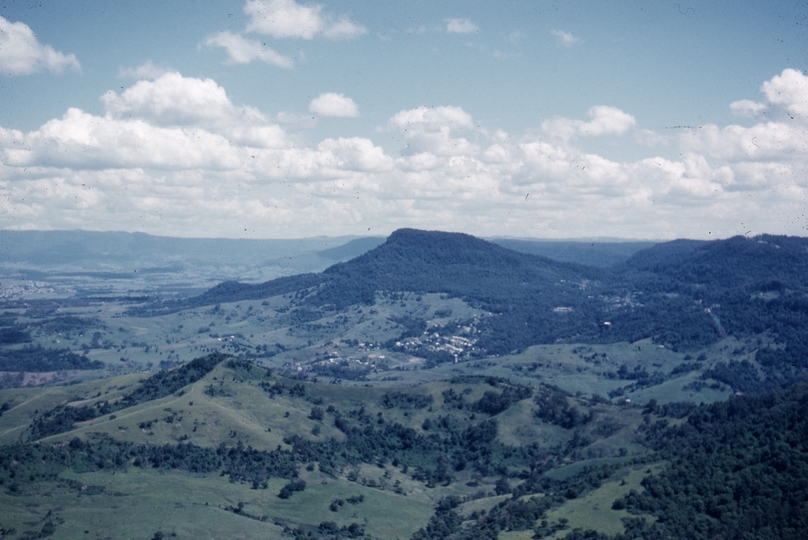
(684, 294)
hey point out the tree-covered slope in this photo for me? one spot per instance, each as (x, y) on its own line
(737, 470)
(724, 264)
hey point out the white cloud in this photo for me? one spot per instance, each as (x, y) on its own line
(355, 154)
(172, 123)
(284, 18)
(430, 131)
(171, 100)
(331, 104)
(789, 90)
(747, 108)
(607, 120)
(432, 118)
(22, 54)
(344, 28)
(176, 156)
(287, 19)
(241, 50)
(603, 120)
(565, 38)
(782, 138)
(460, 26)
(147, 70)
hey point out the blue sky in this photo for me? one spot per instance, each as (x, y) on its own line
(276, 118)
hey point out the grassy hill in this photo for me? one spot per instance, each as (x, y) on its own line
(402, 448)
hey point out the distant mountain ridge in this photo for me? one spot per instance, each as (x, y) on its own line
(122, 255)
(738, 260)
(602, 254)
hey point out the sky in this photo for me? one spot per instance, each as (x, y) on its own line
(521, 118)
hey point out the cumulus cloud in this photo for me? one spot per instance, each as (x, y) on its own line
(288, 19)
(788, 90)
(460, 26)
(565, 39)
(431, 130)
(241, 50)
(432, 118)
(175, 155)
(147, 70)
(353, 153)
(603, 120)
(171, 123)
(171, 100)
(782, 139)
(22, 54)
(331, 104)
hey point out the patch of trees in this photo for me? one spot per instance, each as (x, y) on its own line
(492, 402)
(14, 336)
(343, 369)
(36, 358)
(496, 402)
(685, 367)
(553, 407)
(740, 376)
(279, 389)
(431, 458)
(219, 391)
(406, 401)
(69, 323)
(165, 383)
(326, 530)
(518, 513)
(338, 503)
(35, 462)
(289, 489)
(413, 327)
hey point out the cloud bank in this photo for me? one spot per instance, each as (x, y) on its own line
(175, 155)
